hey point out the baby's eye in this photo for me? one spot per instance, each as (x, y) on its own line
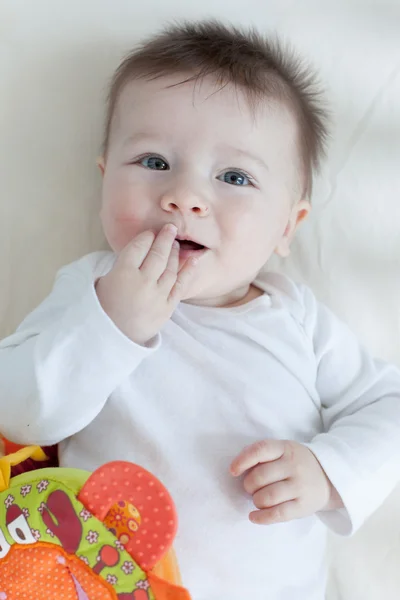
(235, 178)
(154, 162)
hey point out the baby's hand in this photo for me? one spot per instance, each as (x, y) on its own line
(145, 285)
(286, 481)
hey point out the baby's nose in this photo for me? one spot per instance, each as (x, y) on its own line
(185, 202)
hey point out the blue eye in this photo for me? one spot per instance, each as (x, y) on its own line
(154, 162)
(236, 178)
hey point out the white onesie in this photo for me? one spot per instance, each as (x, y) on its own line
(213, 381)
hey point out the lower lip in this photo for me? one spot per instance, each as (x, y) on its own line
(185, 253)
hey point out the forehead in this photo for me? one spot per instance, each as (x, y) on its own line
(202, 110)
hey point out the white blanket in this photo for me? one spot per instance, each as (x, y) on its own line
(55, 59)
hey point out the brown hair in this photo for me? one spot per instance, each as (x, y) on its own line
(259, 66)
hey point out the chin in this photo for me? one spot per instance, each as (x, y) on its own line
(205, 296)
(198, 292)
(192, 296)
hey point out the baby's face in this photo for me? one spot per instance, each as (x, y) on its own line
(201, 159)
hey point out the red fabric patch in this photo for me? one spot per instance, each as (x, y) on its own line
(32, 465)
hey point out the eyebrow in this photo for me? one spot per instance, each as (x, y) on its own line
(246, 154)
(138, 137)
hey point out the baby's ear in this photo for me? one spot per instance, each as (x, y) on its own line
(101, 164)
(299, 212)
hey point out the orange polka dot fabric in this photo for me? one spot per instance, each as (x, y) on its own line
(44, 572)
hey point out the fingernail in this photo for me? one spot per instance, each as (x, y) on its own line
(172, 228)
(175, 244)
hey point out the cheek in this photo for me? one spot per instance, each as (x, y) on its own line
(258, 224)
(119, 233)
(124, 211)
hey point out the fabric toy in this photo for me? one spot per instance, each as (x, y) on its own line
(65, 533)
(29, 464)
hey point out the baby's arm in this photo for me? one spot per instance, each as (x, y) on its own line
(346, 472)
(69, 355)
(360, 407)
(58, 369)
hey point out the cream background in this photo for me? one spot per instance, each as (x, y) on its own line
(55, 60)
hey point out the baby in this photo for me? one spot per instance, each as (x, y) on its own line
(249, 400)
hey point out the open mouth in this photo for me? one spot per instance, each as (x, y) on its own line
(189, 245)
(188, 248)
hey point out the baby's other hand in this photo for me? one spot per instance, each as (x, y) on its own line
(144, 287)
(285, 480)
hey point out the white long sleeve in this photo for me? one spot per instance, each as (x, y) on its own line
(64, 361)
(359, 447)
